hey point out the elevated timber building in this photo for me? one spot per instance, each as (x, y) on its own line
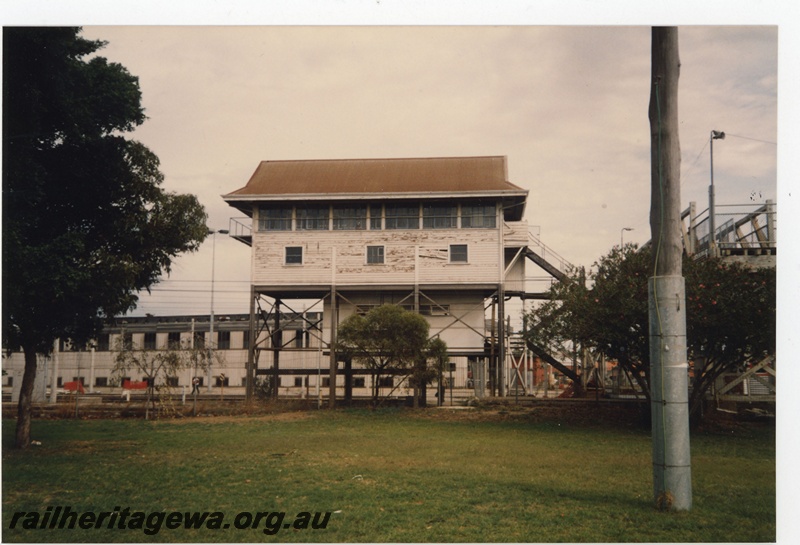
(444, 237)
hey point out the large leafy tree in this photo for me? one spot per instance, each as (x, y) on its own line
(391, 340)
(85, 222)
(730, 316)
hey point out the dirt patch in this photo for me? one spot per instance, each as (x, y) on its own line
(288, 416)
(578, 412)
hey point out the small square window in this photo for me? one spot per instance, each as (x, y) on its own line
(459, 253)
(294, 255)
(375, 255)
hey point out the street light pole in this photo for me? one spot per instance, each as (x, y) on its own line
(210, 346)
(621, 232)
(712, 220)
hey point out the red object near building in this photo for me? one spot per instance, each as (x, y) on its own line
(74, 386)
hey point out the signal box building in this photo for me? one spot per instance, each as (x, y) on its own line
(444, 237)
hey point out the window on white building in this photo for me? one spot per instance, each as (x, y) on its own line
(275, 218)
(223, 340)
(375, 217)
(402, 216)
(174, 339)
(478, 216)
(434, 310)
(375, 255)
(294, 255)
(459, 253)
(312, 218)
(439, 217)
(349, 218)
(103, 342)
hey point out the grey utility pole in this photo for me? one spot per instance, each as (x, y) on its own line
(669, 368)
(713, 250)
(210, 346)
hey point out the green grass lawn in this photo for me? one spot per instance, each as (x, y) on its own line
(387, 476)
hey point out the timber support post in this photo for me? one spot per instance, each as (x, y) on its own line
(251, 349)
(333, 357)
(277, 345)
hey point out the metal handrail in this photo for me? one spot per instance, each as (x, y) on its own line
(240, 229)
(548, 254)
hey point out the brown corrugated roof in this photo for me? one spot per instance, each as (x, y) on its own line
(360, 176)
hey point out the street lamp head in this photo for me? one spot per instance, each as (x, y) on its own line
(717, 135)
(622, 232)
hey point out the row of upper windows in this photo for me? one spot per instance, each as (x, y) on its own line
(349, 217)
(148, 340)
(376, 255)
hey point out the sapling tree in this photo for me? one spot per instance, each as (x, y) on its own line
(158, 367)
(390, 340)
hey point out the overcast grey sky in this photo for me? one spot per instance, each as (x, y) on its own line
(566, 104)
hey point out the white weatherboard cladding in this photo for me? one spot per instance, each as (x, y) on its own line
(269, 266)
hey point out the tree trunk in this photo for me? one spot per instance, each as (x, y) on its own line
(23, 435)
(147, 402)
(376, 392)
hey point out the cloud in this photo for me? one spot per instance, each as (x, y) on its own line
(567, 105)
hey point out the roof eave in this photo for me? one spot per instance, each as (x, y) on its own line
(233, 197)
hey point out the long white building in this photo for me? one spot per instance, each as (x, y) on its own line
(444, 237)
